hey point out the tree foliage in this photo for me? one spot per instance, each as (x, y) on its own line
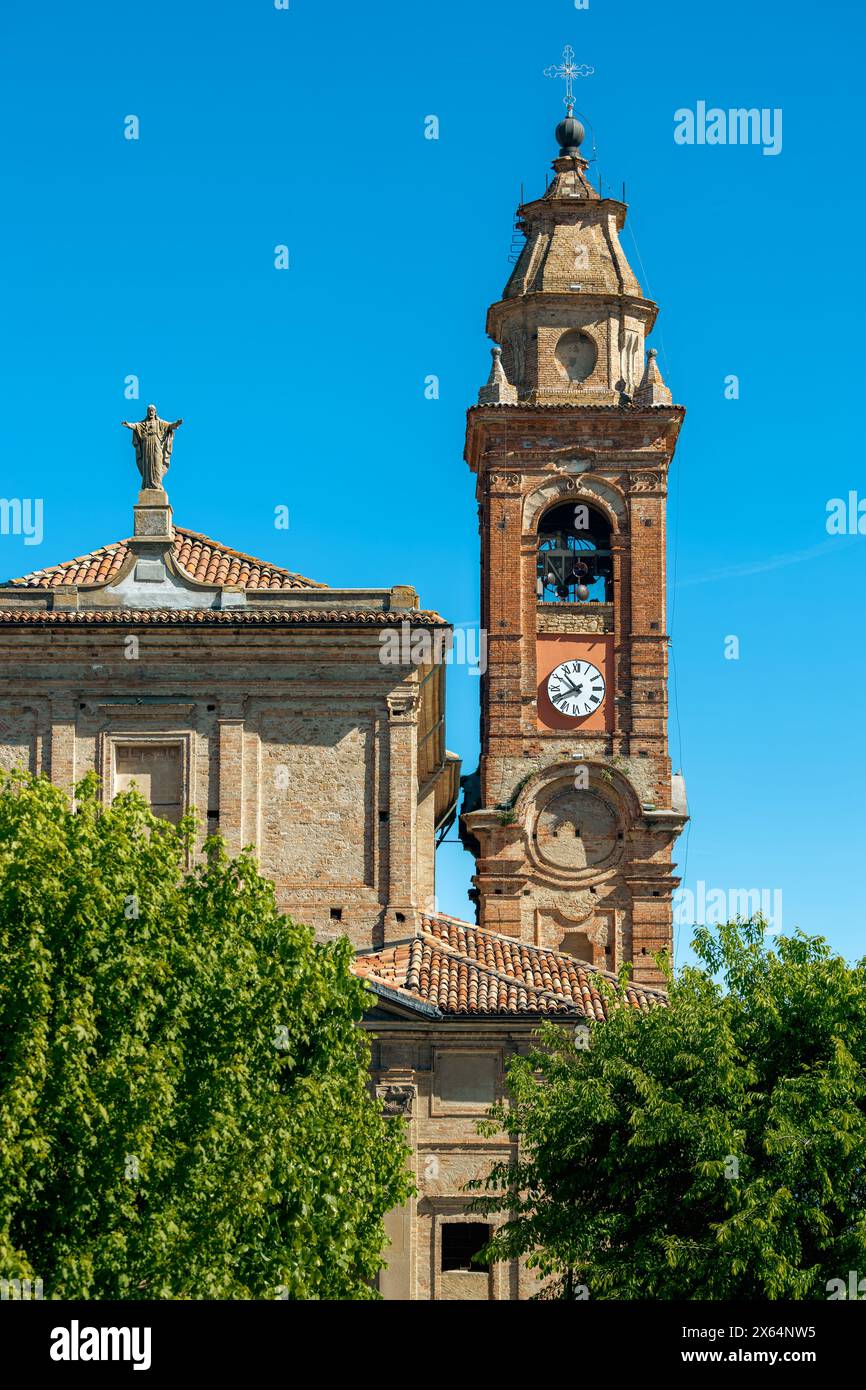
(184, 1102)
(713, 1149)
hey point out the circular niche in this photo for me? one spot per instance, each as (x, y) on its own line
(576, 355)
(576, 830)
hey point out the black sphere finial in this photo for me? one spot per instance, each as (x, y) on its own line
(569, 135)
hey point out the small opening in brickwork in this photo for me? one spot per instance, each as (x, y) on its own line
(213, 815)
(211, 708)
(383, 815)
(619, 835)
(655, 892)
(82, 706)
(400, 916)
(461, 1241)
(647, 521)
(607, 950)
(642, 753)
(336, 914)
(498, 891)
(654, 627)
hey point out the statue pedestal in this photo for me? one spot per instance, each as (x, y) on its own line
(153, 516)
(153, 535)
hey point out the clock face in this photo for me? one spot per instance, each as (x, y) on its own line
(576, 688)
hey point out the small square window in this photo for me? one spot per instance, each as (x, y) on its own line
(461, 1241)
(336, 914)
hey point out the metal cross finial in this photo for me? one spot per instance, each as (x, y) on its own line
(569, 69)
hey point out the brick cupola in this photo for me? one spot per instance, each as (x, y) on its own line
(572, 274)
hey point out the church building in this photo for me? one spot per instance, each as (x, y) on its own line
(271, 703)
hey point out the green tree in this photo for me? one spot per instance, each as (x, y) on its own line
(712, 1149)
(184, 1101)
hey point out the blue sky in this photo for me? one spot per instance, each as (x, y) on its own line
(305, 388)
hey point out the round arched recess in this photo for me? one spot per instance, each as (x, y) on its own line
(576, 487)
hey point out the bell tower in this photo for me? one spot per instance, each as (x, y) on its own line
(574, 813)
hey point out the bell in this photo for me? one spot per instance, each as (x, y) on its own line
(581, 591)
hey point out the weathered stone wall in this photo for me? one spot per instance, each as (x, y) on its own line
(442, 1078)
(425, 852)
(300, 744)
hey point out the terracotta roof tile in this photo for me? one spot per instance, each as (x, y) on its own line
(231, 617)
(570, 405)
(464, 970)
(202, 559)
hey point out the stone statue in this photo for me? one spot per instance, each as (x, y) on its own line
(152, 439)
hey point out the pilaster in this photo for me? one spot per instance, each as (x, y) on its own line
(230, 726)
(401, 913)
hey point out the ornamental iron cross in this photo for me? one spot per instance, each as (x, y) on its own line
(569, 69)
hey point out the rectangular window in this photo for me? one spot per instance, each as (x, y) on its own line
(461, 1241)
(156, 771)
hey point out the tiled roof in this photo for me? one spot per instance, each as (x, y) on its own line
(232, 617)
(466, 971)
(202, 559)
(625, 411)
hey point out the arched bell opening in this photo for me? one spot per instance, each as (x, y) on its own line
(574, 562)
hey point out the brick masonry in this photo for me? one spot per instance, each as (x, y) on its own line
(601, 434)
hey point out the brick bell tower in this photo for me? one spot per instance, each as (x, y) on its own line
(574, 813)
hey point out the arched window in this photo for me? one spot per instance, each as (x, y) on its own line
(574, 559)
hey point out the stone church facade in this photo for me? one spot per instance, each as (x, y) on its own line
(216, 681)
(265, 700)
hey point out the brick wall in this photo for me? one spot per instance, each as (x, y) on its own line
(616, 461)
